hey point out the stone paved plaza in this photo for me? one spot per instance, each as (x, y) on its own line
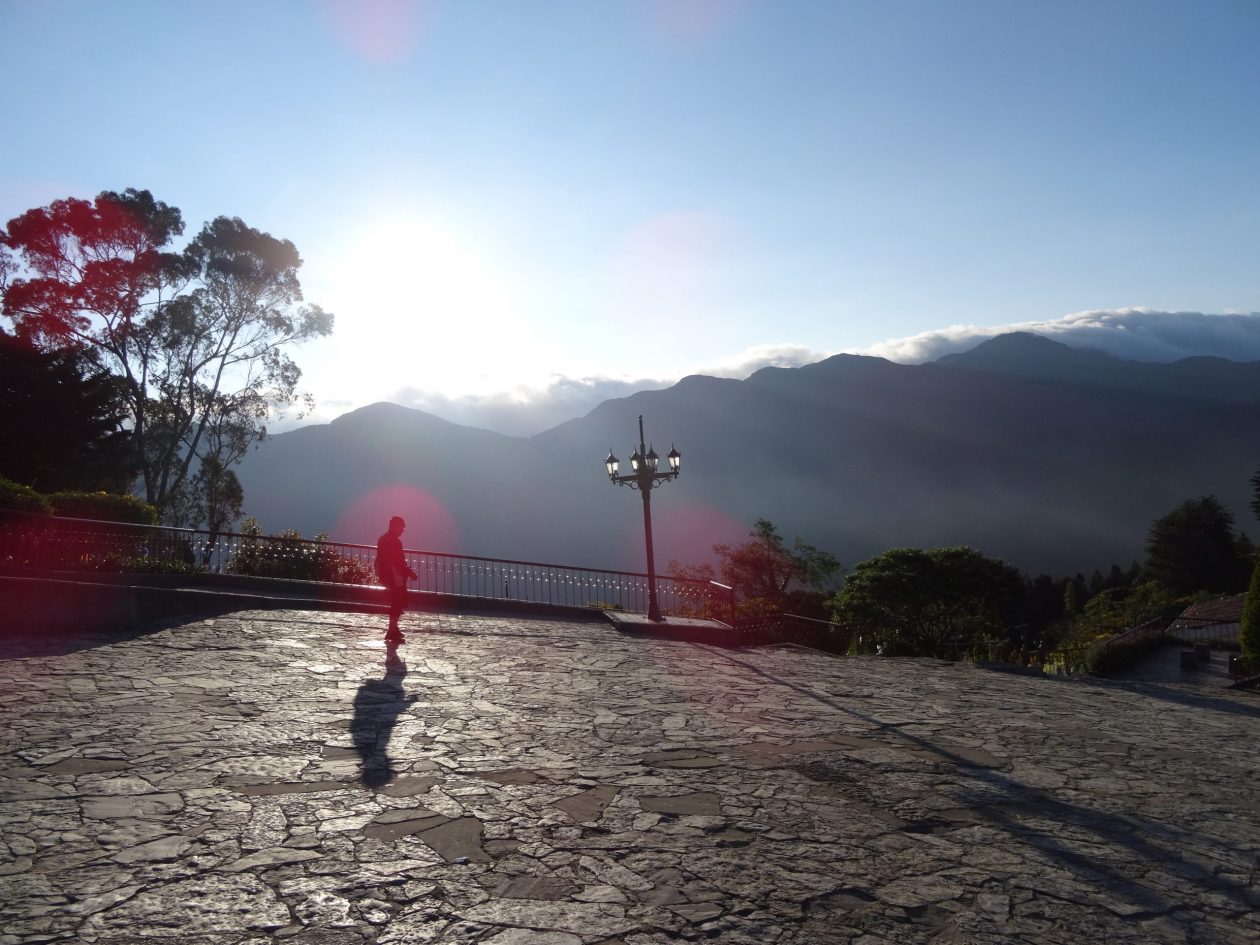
(278, 776)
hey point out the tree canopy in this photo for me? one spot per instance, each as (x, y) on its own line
(1250, 630)
(1193, 548)
(765, 575)
(197, 337)
(765, 567)
(89, 270)
(917, 602)
(63, 421)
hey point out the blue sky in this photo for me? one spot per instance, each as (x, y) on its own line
(516, 206)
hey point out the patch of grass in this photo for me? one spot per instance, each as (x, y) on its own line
(604, 605)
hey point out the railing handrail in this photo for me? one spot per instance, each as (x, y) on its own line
(763, 619)
(355, 545)
(92, 521)
(1153, 627)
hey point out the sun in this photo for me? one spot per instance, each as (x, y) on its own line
(416, 293)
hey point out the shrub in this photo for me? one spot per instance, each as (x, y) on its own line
(1110, 612)
(1251, 618)
(604, 605)
(289, 555)
(22, 498)
(339, 568)
(155, 564)
(104, 507)
(1105, 657)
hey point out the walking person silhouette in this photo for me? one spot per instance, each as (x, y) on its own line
(393, 572)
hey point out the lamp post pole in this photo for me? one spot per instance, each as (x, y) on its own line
(645, 478)
(654, 609)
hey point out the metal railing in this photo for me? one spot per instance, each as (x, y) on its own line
(67, 544)
(1060, 661)
(1155, 627)
(791, 628)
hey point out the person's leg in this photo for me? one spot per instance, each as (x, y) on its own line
(397, 599)
(391, 599)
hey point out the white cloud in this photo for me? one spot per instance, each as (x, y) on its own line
(527, 410)
(1136, 334)
(753, 359)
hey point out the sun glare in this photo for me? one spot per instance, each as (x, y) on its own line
(432, 308)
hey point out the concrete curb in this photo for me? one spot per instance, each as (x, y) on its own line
(58, 601)
(682, 629)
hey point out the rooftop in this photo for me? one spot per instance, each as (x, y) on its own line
(279, 775)
(1220, 610)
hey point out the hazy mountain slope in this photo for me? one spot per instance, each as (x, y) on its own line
(854, 454)
(1028, 355)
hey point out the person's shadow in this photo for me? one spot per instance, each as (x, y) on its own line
(377, 705)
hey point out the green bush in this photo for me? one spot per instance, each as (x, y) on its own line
(22, 498)
(1105, 657)
(1251, 618)
(104, 507)
(604, 605)
(289, 555)
(154, 564)
(1111, 612)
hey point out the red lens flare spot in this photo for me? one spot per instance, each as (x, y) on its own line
(688, 23)
(430, 527)
(687, 531)
(377, 30)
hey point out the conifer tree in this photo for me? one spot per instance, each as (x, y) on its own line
(1251, 618)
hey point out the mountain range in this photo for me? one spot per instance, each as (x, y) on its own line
(1053, 458)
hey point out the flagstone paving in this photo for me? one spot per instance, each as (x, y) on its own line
(279, 776)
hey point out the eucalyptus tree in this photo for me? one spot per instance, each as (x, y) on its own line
(222, 367)
(199, 337)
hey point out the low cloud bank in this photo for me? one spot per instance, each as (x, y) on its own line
(753, 359)
(525, 411)
(1135, 334)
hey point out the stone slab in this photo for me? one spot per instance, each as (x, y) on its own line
(278, 776)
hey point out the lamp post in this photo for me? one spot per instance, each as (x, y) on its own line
(645, 478)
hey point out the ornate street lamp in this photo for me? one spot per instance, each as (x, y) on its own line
(645, 478)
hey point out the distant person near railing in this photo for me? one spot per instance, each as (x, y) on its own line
(393, 572)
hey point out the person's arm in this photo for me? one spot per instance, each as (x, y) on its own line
(400, 562)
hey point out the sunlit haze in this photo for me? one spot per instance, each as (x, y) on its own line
(515, 210)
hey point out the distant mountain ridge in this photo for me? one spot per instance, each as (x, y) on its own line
(1053, 458)
(1035, 356)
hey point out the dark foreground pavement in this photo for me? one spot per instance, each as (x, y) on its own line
(275, 776)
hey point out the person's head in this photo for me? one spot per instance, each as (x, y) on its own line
(396, 525)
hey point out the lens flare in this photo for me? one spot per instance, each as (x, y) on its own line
(376, 30)
(691, 22)
(687, 531)
(430, 527)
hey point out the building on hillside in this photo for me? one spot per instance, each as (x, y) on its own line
(1210, 621)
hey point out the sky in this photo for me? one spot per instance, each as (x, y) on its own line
(515, 210)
